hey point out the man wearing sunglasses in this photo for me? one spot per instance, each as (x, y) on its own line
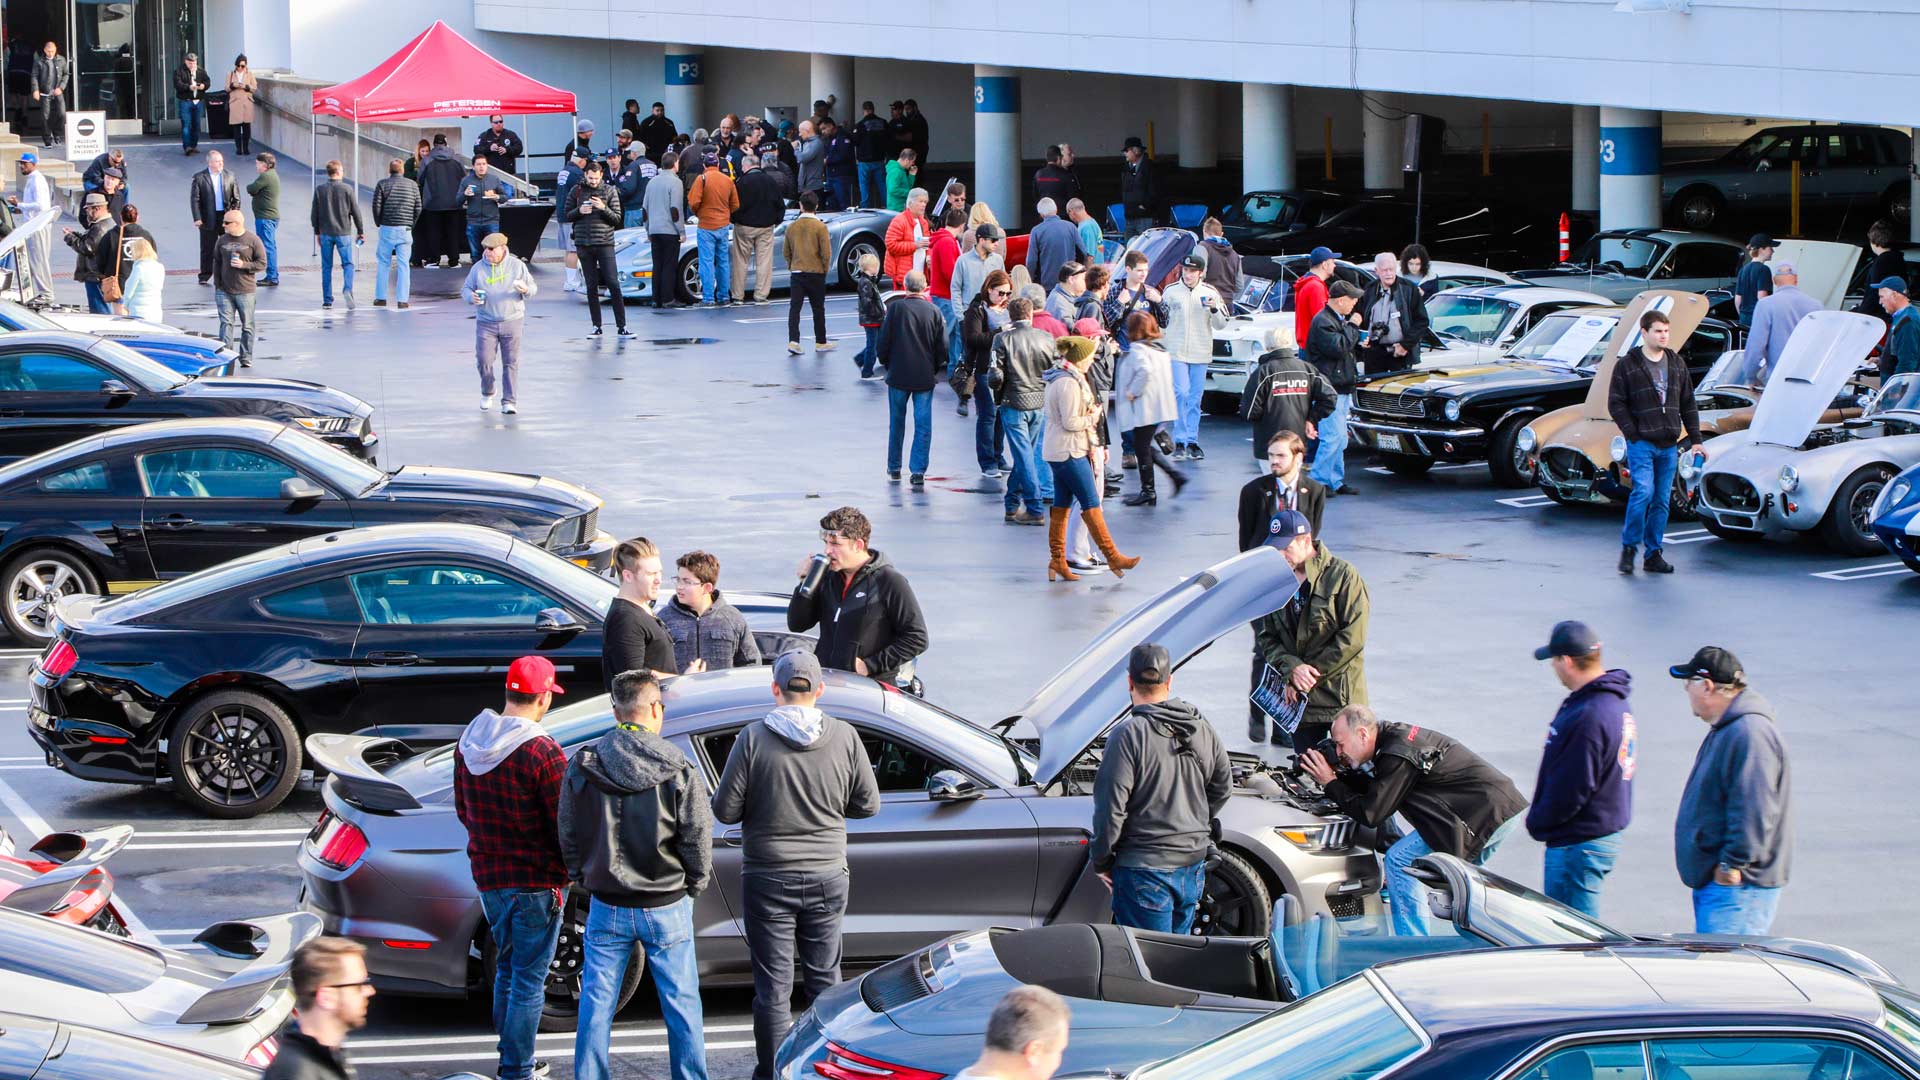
(870, 621)
(330, 994)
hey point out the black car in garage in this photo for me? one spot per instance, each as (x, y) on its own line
(57, 386)
(139, 505)
(403, 631)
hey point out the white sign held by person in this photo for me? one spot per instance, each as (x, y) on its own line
(86, 137)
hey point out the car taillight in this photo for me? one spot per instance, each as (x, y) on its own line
(263, 1052)
(60, 659)
(337, 843)
(843, 1064)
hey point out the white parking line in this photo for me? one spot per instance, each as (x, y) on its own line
(805, 314)
(21, 652)
(1861, 573)
(615, 1048)
(138, 846)
(1442, 467)
(31, 757)
(145, 835)
(1687, 536)
(620, 1031)
(37, 825)
(1526, 502)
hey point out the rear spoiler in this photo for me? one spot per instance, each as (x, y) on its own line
(78, 854)
(355, 762)
(268, 944)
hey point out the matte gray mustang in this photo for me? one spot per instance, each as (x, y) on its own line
(975, 829)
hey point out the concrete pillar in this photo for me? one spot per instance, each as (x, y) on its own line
(1199, 114)
(996, 142)
(1586, 158)
(1629, 168)
(1379, 144)
(1913, 189)
(832, 76)
(1267, 123)
(685, 79)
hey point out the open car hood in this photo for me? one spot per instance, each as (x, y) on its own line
(1825, 267)
(1826, 348)
(1684, 309)
(1089, 695)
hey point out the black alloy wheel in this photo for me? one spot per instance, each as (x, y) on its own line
(1234, 902)
(851, 252)
(234, 754)
(1848, 526)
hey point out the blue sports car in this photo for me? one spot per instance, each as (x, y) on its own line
(1895, 517)
(183, 351)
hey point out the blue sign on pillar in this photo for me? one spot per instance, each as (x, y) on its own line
(996, 94)
(685, 69)
(1629, 151)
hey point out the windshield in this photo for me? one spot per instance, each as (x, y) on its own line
(1900, 394)
(1729, 370)
(1253, 293)
(1564, 338)
(330, 463)
(1527, 916)
(150, 374)
(1902, 1019)
(1635, 255)
(582, 586)
(1479, 319)
(1264, 209)
(25, 318)
(1348, 1031)
(1765, 150)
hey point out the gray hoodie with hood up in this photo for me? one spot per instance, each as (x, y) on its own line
(1737, 809)
(791, 781)
(634, 824)
(1163, 778)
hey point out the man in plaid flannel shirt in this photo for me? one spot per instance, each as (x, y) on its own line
(506, 790)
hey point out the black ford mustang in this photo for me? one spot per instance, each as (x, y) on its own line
(139, 505)
(404, 631)
(57, 386)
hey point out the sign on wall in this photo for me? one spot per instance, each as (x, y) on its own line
(86, 136)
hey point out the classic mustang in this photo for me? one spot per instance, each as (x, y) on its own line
(1620, 263)
(853, 233)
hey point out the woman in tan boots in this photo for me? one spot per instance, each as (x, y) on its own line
(1072, 410)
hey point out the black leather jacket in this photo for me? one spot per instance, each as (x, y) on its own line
(1448, 793)
(636, 829)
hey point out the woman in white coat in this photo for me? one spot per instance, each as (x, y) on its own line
(145, 282)
(1143, 399)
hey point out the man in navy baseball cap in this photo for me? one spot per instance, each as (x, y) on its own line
(1583, 796)
(1902, 352)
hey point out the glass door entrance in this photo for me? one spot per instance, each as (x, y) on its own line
(103, 58)
(122, 52)
(29, 24)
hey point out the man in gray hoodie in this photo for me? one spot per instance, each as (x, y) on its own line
(636, 834)
(791, 782)
(1733, 833)
(498, 287)
(1162, 781)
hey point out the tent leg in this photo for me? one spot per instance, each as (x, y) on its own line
(353, 254)
(313, 167)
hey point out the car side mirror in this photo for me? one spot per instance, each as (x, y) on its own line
(300, 489)
(555, 620)
(115, 388)
(952, 785)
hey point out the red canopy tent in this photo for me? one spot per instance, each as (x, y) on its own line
(438, 73)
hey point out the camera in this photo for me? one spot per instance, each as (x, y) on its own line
(1327, 749)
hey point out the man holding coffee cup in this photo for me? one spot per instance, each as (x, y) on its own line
(482, 191)
(237, 256)
(498, 287)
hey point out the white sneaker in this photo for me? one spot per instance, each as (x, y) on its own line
(486, 402)
(509, 407)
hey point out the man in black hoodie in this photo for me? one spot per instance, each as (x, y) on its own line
(1163, 780)
(1285, 393)
(1651, 400)
(869, 619)
(637, 834)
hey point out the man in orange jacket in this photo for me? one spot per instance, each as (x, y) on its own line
(907, 237)
(711, 201)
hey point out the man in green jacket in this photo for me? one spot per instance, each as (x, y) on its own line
(266, 212)
(1318, 640)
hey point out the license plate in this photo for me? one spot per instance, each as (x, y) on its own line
(1389, 443)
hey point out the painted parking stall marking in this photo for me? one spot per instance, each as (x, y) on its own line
(1687, 536)
(1861, 573)
(1441, 467)
(1526, 502)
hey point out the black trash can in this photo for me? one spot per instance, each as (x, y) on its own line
(218, 126)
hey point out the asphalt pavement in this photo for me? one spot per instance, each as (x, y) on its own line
(703, 433)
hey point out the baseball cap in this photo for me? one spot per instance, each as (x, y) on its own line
(583, 126)
(494, 240)
(1321, 254)
(1089, 327)
(1569, 638)
(1193, 261)
(1149, 665)
(1760, 240)
(987, 230)
(1286, 525)
(30, 157)
(896, 103)
(1712, 662)
(1897, 284)
(1343, 288)
(532, 675)
(797, 670)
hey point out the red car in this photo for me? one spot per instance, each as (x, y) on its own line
(65, 877)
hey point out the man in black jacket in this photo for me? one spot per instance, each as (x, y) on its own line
(335, 217)
(1162, 781)
(1056, 179)
(870, 621)
(1455, 801)
(872, 149)
(593, 209)
(330, 992)
(1394, 315)
(1285, 393)
(1331, 340)
(656, 133)
(636, 832)
(500, 145)
(49, 85)
(396, 209)
(190, 84)
(117, 159)
(1284, 487)
(211, 192)
(634, 638)
(1139, 188)
(95, 222)
(441, 219)
(1651, 399)
(912, 347)
(761, 211)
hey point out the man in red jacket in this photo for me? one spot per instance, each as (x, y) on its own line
(907, 238)
(1310, 294)
(943, 250)
(507, 778)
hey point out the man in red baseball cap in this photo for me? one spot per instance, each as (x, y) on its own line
(506, 790)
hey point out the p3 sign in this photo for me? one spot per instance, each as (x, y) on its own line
(685, 69)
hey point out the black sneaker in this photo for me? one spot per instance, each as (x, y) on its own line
(1657, 563)
(623, 332)
(595, 332)
(1194, 453)
(893, 475)
(1626, 559)
(379, 303)
(918, 480)
(1346, 489)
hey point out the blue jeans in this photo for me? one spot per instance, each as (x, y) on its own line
(1409, 897)
(1189, 383)
(1074, 482)
(1734, 909)
(667, 935)
(236, 321)
(1652, 470)
(1032, 482)
(97, 301)
(632, 217)
(841, 188)
(897, 401)
(396, 247)
(989, 433)
(525, 924)
(873, 184)
(1146, 898)
(1330, 463)
(716, 262)
(866, 356)
(945, 307)
(329, 245)
(1574, 872)
(268, 230)
(190, 123)
(477, 233)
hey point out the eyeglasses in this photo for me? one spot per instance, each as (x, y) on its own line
(363, 984)
(1002, 292)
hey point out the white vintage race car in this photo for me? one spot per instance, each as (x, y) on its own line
(1789, 473)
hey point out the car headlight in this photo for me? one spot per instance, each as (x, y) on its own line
(1789, 478)
(1617, 449)
(1526, 440)
(325, 425)
(1305, 837)
(1452, 409)
(1896, 493)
